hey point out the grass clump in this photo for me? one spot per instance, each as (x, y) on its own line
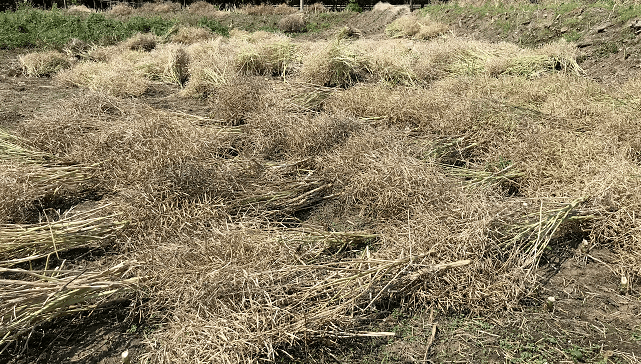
(46, 63)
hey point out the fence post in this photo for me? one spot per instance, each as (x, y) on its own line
(301, 5)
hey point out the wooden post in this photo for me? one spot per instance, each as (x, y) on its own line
(411, 5)
(301, 5)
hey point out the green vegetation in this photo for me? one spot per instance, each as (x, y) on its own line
(214, 25)
(354, 7)
(29, 27)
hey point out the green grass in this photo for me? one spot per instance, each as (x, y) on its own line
(29, 27)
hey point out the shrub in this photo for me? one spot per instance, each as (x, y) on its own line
(294, 23)
(353, 7)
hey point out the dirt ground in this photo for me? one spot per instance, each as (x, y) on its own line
(592, 320)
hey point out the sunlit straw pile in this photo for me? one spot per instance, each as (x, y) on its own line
(328, 183)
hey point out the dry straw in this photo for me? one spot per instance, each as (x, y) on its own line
(412, 26)
(31, 297)
(274, 57)
(191, 35)
(12, 148)
(203, 8)
(335, 64)
(267, 9)
(23, 243)
(46, 63)
(293, 23)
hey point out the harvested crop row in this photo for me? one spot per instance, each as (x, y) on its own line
(33, 297)
(132, 68)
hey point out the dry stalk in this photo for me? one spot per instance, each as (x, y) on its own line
(11, 149)
(23, 243)
(30, 298)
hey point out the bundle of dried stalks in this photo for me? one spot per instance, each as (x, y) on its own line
(79, 9)
(168, 64)
(303, 97)
(316, 8)
(23, 243)
(25, 188)
(212, 65)
(335, 64)
(232, 104)
(412, 26)
(159, 7)
(203, 8)
(121, 9)
(157, 154)
(267, 9)
(392, 63)
(143, 42)
(12, 148)
(30, 298)
(294, 23)
(274, 57)
(119, 77)
(46, 63)
(190, 35)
